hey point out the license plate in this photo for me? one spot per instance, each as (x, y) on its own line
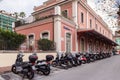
(19, 68)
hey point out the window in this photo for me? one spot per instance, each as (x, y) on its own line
(31, 40)
(96, 26)
(100, 29)
(45, 35)
(68, 42)
(82, 17)
(90, 23)
(82, 45)
(65, 13)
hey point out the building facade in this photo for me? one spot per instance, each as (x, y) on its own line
(71, 24)
(6, 20)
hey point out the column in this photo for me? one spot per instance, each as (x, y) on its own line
(75, 12)
(75, 19)
(57, 28)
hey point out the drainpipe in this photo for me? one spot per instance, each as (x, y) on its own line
(53, 27)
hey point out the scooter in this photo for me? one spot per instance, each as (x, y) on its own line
(83, 58)
(60, 62)
(40, 65)
(78, 59)
(21, 67)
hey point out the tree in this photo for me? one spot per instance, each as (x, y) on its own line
(10, 40)
(22, 14)
(16, 15)
(118, 12)
(45, 45)
(107, 10)
(118, 5)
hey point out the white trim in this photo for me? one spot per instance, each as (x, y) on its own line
(75, 12)
(75, 19)
(31, 34)
(71, 40)
(45, 31)
(76, 39)
(57, 10)
(57, 32)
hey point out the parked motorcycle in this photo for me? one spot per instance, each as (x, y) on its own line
(41, 65)
(78, 59)
(60, 62)
(21, 67)
(83, 58)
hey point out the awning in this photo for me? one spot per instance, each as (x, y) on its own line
(97, 35)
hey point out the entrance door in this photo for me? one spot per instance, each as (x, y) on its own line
(31, 42)
(68, 42)
(82, 45)
(90, 46)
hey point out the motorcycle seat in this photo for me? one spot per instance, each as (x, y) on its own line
(40, 61)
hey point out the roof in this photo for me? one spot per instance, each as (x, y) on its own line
(97, 35)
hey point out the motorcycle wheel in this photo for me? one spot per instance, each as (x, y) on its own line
(69, 65)
(47, 71)
(54, 64)
(83, 62)
(30, 74)
(79, 63)
(13, 69)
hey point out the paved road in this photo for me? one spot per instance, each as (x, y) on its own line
(107, 69)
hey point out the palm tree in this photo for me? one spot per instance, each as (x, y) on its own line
(16, 15)
(22, 14)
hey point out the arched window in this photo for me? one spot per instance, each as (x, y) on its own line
(31, 39)
(68, 42)
(82, 43)
(45, 35)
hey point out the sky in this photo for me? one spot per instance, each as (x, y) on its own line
(23, 5)
(20, 5)
(91, 3)
(26, 5)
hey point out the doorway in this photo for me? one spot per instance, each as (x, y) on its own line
(68, 42)
(82, 45)
(31, 42)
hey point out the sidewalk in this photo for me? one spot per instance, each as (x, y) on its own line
(5, 69)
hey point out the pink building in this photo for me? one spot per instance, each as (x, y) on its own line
(71, 24)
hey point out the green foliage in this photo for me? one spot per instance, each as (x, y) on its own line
(18, 15)
(22, 14)
(10, 40)
(45, 45)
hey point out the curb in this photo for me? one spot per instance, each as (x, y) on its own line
(5, 69)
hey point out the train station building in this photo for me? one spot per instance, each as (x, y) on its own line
(72, 24)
